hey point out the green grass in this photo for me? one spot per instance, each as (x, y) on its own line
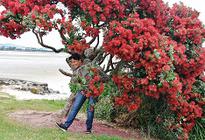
(10, 130)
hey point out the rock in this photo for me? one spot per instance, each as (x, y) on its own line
(34, 87)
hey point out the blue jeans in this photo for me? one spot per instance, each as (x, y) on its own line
(77, 104)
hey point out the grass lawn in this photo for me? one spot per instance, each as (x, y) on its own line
(10, 130)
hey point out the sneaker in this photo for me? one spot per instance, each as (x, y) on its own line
(88, 132)
(62, 126)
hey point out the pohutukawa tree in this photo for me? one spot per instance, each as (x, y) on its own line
(152, 50)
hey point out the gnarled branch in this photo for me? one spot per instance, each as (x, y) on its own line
(60, 31)
(92, 40)
(109, 64)
(40, 41)
(65, 73)
(103, 58)
(102, 24)
(98, 40)
(118, 66)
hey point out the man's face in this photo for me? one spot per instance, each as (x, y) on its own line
(74, 64)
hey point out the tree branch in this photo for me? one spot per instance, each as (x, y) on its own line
(109, 64)
(63, 38)
(61, 33)
(65, 73)
(92, 40)
(100, 62)
(102, 24)
(118, 66)
(98, 40)
(40, 41)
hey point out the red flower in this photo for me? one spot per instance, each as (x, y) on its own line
(133, 107)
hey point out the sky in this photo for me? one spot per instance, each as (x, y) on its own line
(53, 39)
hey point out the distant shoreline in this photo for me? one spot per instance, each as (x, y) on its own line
(13, 47)
(27, 50)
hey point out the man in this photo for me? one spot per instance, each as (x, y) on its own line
(62, 114)
(79, 69)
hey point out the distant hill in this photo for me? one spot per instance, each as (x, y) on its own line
(12, 47)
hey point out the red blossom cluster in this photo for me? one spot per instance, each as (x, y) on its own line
(14, 19)
(101, 10)
(129, 97)
(78, 46)
(186, 25)
(12, 29)
(95, 85)
(41, 16)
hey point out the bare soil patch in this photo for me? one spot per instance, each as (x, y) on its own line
(43, 119)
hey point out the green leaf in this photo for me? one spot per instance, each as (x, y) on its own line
(203, 120)
(136, 40)
(203, 40)
(170, 76)
(157, 54)
(22, 1)
(9, 13)
(171, 52)
(45, 16)
(74, 87)
(83, 80)
(159, 85)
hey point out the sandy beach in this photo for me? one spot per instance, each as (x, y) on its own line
(36, 66)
